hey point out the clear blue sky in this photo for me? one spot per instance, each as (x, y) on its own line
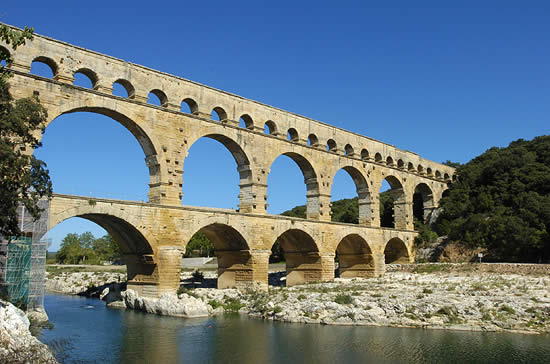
(445, 81)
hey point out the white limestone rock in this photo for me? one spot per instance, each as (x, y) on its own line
(168, 304)
(17, 345)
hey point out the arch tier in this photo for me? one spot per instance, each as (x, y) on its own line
(153, 238)
(166, 136)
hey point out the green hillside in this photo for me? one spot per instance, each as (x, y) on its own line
(501, 202)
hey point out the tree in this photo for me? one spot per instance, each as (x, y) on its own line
(106, 248)
(199, 245)
(23, 178)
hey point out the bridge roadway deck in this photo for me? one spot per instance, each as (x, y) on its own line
(153, 237)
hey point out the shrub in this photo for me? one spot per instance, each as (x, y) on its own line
(198, 275)
(343, 299)
(232, 304)
(215, 303)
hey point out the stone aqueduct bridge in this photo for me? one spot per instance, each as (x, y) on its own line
(153, 235)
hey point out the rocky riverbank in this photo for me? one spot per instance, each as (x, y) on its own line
(436, 296)
(17, 345)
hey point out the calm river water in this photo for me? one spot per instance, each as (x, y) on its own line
(89, 332)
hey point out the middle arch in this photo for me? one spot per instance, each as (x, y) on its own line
(232, 252)
(363, 194)
(243, 167)
(301, 255)
(355, 257)
(313, 210)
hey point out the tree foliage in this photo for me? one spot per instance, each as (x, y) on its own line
(501, 202)
(23, 178)
(85, 248)
(199, 246)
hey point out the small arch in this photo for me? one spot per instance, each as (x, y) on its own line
(420, 169)
(312, 140)
(292, 135)
(429, 171)
(400, 164)
(157, 97)
(437, 174)
(331, 145)
(396, 252)
(354, 257)
(378, 157)
(364, 154)
(189, 106)
(410, 167)
(5, 56)
(446, 177)
(125, 86)
(85, 77)
(245, 121)
(270, 128)
(44, 66)
(299, 250)
(389, 161)
(348, 149)
(218, 114)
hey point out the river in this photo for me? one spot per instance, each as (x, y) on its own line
(89, 332)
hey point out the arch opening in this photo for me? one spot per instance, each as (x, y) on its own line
(354, 258)
(44, 66)
(189, 106)
(410, 167)
(212, 182)
(364, 154)
(157, 97)
(378, 157)
(389, 161)
(281, 174)
(300, 254)
(348, 149)
(232, 252)
(331, 145)
(85, 77)
(124, 88)
(292, 135)
(392, 205)
(312, 140)
(400, 164)
(92, 168)
(270, 128)
(396, 252)
(356, 210)
(423, 203)
(5, 56)
(121, 242)
(218, 114)
(246, 122)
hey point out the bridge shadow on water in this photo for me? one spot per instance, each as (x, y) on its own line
(275, 279)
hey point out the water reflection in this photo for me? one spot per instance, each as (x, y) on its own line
(98, 334)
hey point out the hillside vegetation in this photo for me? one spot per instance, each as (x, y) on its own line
(501, 202)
